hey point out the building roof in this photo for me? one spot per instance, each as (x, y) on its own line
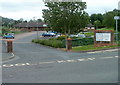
(30, 24)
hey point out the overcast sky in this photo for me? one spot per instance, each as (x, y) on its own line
(27, 9)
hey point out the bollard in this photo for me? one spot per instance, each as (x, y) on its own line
(9, 46)
(69, 44)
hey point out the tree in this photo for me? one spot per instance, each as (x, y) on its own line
(97, 23)
(66, 17)
(39, 20)
(95, 17)
(100, 17)
(109, 19)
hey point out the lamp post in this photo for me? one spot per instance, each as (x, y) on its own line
(37, 27)
(116, 18)
(37, 31)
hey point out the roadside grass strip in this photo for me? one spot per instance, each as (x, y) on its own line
(59, 61)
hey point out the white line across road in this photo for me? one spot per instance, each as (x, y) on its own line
(59, 61)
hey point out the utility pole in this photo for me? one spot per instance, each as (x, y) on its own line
(116, 18)
(37, 27)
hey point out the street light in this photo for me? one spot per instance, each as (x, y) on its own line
(116, 18)
(37, 31)
(37, 27)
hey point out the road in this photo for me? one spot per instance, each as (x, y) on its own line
(36, 63)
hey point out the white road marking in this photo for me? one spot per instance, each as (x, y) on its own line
(91, 58)
(59, 61)
(62, 61)
(20, 64)
(71, 61)
(81, 59)
(46, 62)
(116, 56)
(27, 64)
(95, 52)
(8, 65)
(106, 57)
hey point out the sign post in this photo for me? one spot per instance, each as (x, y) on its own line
(116, 18)
(103, 38)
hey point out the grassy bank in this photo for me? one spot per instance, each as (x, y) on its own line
(91, 47)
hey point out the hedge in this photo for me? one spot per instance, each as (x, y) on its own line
(50, 42)
(61, 43)
(80, 42)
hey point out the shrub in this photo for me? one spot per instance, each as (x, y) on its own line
(35, 41)
(57, 44)
(81, 42)
(51, 42)
(61, 38)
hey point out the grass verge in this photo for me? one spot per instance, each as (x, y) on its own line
(91, 47)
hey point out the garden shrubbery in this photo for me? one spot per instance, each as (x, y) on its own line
(61, 38)
(60, 42)
(83, 41)
(51, 42)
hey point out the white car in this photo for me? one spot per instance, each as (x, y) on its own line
(81, 35)
(78, 35)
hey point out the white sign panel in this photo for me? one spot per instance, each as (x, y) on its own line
(116, 17)
(103, 36)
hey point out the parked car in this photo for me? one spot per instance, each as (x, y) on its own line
(73, 35)
(58, 35)
(9, 36)
(49, 34)
(81, 35)
(78, 35)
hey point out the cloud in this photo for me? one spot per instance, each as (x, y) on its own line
(21, 9)
(101, 6)
(27, 9)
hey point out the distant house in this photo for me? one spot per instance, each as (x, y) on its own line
(32, 26)
(89, 27)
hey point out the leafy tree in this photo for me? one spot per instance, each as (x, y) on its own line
(39, 20)
(66, 17)
(97, 23)
(95, 17)
(100, 17)
(109, 19)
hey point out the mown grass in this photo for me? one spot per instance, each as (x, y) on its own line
(91, 47)
(106, 29)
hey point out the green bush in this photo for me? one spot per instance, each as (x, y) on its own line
(61, 38)
(80, 42)
(62, 43)
(57, 44)
(53, 43)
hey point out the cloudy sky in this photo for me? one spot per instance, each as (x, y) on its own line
(27, 9)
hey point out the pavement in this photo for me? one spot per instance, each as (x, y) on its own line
(5, 56)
